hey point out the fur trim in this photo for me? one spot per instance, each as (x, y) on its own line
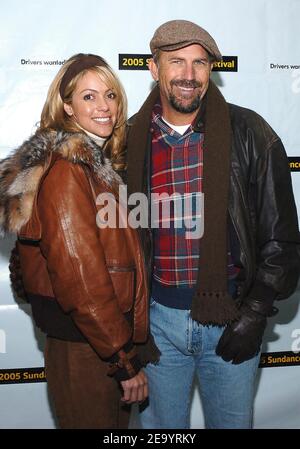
(21, 172)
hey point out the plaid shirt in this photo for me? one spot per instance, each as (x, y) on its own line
(177, 167)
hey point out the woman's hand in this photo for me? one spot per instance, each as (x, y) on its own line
(135, 389)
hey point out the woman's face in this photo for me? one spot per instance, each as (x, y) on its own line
(94, 105)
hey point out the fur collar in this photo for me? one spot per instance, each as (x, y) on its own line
(21, 172)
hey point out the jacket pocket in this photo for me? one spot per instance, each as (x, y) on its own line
(123, 280)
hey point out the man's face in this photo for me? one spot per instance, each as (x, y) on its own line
(183, 77)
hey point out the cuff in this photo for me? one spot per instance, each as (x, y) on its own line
(260, 299)
(125, 364)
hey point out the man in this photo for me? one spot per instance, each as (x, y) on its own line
(211, 295)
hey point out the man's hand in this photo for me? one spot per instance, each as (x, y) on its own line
(241, 340)
(135, 389)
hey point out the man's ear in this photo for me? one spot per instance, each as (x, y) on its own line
(153, 69)
(68, 109)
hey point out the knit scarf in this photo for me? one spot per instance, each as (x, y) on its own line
(212, 304)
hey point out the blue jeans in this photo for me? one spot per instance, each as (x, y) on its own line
(188, 348)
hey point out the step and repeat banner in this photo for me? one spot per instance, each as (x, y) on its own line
(260, 70)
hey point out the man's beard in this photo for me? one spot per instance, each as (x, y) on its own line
(177, 104)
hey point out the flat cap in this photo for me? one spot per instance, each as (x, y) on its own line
(177, 34)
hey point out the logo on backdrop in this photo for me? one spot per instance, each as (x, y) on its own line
(293, 70)
(276, 359)
(137, 61)
(228, 64)
(41, 62)
(134, 61)
(284, 66)
(22, 375)
(294, 163)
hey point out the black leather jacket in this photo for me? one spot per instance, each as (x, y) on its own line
(263, 222)
(262, 207)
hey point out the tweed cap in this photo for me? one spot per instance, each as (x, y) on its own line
(177, 34)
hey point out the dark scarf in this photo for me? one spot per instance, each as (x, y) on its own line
(212, 303)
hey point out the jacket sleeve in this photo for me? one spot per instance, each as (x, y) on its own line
(76, 264)
(15, 274)
(276, 223)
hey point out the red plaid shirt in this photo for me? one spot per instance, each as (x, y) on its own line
(177, 167)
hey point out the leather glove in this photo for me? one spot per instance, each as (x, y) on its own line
(241, 340)
(16, 274)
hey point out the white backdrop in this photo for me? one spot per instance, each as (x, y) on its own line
(35, 37)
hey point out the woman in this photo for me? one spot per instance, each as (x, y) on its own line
(86, 285)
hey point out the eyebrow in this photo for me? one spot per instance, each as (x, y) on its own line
(183, 59)
(91, 90)
(95, 90)
(175, 57)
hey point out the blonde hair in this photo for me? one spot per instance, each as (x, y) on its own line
(54, 117)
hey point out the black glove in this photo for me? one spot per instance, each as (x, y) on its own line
(16, 274)
(241, 340)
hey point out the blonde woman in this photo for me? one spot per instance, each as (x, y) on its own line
(86, 285)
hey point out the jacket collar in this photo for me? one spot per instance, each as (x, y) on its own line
(22, 171)
(138, 139)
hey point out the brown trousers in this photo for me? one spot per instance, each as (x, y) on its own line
(84, 396)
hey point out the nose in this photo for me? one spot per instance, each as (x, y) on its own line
(189, 72)
(102, 104)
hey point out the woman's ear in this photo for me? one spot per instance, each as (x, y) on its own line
(68, 109)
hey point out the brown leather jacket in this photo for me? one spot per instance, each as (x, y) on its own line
(70, 267)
